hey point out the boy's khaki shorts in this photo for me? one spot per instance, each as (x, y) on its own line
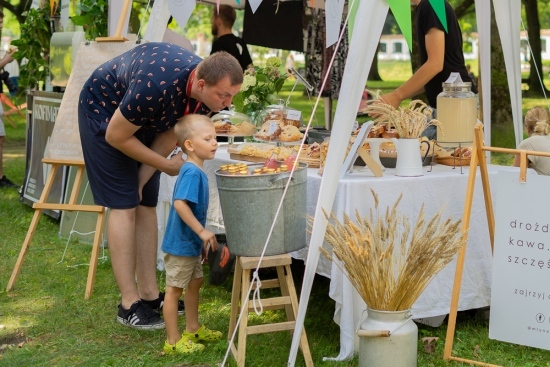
(180, 270)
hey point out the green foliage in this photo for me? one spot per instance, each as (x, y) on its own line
(199, 22)
(93, 17)
(34, 46)
(260, 86)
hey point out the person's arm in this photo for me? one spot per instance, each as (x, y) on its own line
(120, 134)
(185, 213)
(163, 144)
(435, 48)
(8, 58)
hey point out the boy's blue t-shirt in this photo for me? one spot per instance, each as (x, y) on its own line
(192, 186)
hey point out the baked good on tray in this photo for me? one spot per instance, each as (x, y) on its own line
(270, 130)
(222, 126)
(290, 133)
(244, 128)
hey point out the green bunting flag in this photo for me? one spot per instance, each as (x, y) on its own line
(401, 10)
(439, 8)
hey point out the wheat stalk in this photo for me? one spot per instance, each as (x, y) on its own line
(409, 122)
(387, 264)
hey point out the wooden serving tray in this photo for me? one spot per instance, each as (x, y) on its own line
(246, 158)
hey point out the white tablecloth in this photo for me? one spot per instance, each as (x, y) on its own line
(443, 186)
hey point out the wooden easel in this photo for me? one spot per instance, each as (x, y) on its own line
(121, 21)
(478, 159)
(66, 133)
(43, 204)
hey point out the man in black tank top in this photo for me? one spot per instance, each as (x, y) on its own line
(440, 55)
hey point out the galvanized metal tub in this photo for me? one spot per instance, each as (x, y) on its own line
(249, 204)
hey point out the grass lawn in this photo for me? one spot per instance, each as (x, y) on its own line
(45, 320)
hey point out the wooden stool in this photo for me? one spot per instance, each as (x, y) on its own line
(288, 301)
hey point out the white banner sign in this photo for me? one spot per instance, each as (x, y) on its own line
(520, 293)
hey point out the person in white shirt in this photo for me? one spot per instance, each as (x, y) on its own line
(537, 126)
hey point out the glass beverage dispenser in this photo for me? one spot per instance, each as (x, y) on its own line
(457, 113)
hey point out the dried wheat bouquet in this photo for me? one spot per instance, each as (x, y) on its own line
(409, 122)
(388, 261)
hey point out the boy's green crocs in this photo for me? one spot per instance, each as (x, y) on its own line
(183, 346)
(203, 335)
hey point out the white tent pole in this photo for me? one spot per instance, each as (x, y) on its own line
(370, 18)
(483, 17)
(158, 21)
(507, 16)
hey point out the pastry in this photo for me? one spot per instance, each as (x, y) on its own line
(269, 130)
(291, 122)
(463, 152)
(313, 150)
(222, 126)
(290, 133)
(376, 131)
(244, 128)
(274, 115)
(391, 133)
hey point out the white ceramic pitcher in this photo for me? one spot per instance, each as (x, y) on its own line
(409, 160)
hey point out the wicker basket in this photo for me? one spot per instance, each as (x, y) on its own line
(453, 161)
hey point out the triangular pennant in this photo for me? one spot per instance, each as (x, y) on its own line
(333, 16)
(402, 12)
(181, 10)
(254, 4)
(439, 8)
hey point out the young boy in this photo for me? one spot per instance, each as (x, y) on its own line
(186, 236)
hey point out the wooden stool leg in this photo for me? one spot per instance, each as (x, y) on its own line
(285, 292)
(95, 254)
(235, 295)
(241, 347)
(304, 345)
(24, 249)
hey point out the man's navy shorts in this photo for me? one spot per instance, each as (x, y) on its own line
(113, 176)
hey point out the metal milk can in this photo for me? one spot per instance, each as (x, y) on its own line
(388, 339)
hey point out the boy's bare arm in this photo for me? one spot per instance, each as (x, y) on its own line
(185, 213)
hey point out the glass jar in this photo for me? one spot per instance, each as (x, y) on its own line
(271, 112)
(457, 113)
(231, 116)
(288, 116)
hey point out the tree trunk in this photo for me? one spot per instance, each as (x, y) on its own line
(373, 73)
(17, 9)
(536, 88)
(415, 55)
(463, 8)
(501, 109)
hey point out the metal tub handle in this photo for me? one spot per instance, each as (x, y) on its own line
(280, 176)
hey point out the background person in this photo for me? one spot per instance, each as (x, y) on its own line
(225, 40)
(440, 55)
(4, 181)
(537, 126)
(127, 110)
(186, 237)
